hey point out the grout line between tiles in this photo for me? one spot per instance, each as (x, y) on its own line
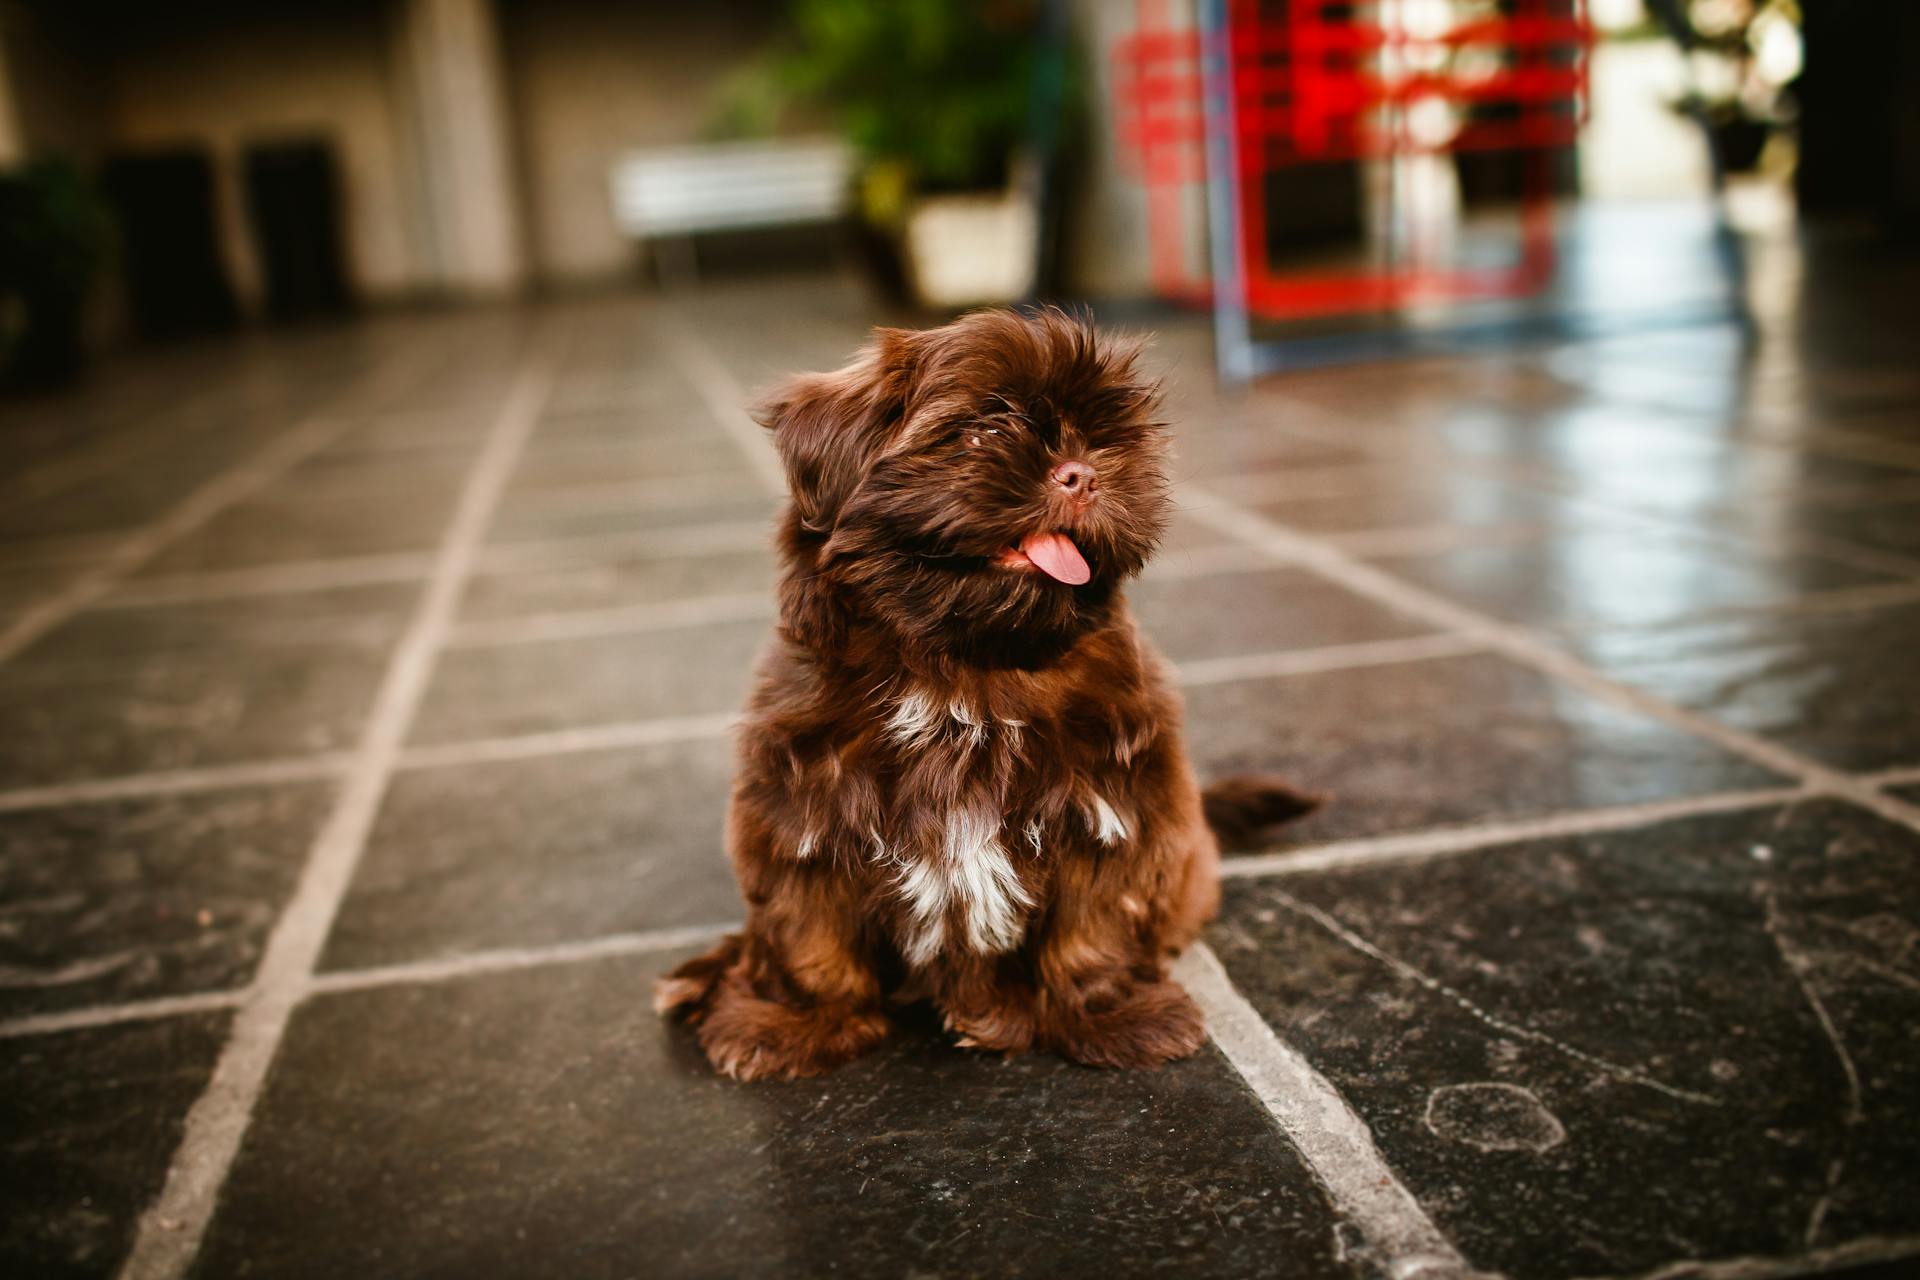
(170, 1230)
(1813, 1262)
(507, 959)
(694, 538)
(170, 782)
(264, 580)
(1441, 841)
(108, 1015)
(695, 611)
(559, 742)
(1336, 657)
(409, 566)
(1400, 1239)
(1290, 546)
(698, 489)
(436, 969)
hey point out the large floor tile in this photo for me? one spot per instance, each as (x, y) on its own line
(1604, 1055)
(1187, 536)
(130, 690)
(1608, 575)
(620, 578)
(88, 1124)
(1731, 482)
(1378, 398)
(1446, 741)
(535, 516)
(113, 499)
(1209, 450)
(269, 531)
(545, 1123)
(1883, 524)
(1259, 611)
(552, 463)
(541, 851)
(1403, 497)
(431, 477)
(433, 436)
(124, 900)
(1842, 687)
(1670, 463)
(657, 408)
(497, 690)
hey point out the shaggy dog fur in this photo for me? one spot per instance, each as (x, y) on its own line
(961, 776)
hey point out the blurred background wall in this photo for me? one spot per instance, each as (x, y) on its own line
(430, 149)
(594, 78)
(473, 139)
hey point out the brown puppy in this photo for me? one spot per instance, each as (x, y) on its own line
(961, 775)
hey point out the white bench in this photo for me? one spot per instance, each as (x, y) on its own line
(666, 195)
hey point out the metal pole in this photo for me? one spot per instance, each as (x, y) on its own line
(1232, 333)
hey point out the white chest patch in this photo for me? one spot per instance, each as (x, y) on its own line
(915, 719)
(1107, 824)
(919, 720)
(970, 875)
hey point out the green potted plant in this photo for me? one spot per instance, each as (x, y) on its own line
(55, 237)
(938, 98)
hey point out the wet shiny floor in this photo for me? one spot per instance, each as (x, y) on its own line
(366, 699)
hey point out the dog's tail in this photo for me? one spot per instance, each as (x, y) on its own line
(1240, 809)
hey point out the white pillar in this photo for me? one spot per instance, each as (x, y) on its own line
(453, 94)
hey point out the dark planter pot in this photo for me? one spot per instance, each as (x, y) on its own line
(882, 264)
(1738, 144)
(50, 348)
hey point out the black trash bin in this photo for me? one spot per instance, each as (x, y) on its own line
(293, 196)
(163, 205)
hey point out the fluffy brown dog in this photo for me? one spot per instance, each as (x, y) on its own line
(961, 775)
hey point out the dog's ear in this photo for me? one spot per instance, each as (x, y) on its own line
(829, 427)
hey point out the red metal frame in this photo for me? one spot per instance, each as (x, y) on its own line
(1315, 86)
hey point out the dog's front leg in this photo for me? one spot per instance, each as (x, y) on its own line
(795, 993)
(1104, 996)
(988, 1001)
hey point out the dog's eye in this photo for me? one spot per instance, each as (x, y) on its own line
(973, 440)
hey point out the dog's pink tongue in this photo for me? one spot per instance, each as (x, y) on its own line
(1056, 557)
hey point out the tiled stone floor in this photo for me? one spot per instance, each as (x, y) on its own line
(366, 699)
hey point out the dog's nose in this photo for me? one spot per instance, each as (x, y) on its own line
(1076, 479)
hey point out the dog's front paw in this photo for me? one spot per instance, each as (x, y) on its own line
(1005, 1026)
(749, 1038)
(1141, 1026)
